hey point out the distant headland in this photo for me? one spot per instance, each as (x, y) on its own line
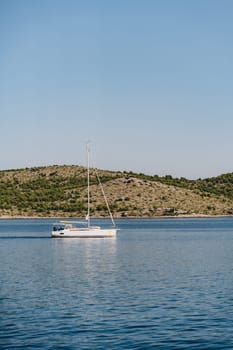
(60, 191)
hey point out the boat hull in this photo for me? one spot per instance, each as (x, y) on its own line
(84, 233)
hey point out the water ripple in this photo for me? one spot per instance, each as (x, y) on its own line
(144, 290)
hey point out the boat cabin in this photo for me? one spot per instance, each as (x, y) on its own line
(58, 227)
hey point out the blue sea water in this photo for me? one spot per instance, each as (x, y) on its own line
(161, 284)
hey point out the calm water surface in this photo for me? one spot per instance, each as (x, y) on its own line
(161, 284)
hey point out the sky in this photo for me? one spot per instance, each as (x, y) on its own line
(148, 82)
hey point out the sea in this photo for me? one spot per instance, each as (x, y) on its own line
(160, 284)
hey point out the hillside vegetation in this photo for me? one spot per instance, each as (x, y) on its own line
(61, 191)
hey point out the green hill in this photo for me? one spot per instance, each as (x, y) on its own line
(61, 191)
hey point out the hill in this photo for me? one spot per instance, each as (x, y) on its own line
(60, 191)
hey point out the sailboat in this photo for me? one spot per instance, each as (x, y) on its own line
(84, 229)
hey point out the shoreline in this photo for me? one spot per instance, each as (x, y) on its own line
(190, 216)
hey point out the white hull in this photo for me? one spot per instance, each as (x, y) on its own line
(84, 233)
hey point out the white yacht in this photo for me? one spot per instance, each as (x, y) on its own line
(84, 229)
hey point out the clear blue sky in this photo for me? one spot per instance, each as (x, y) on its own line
(150, 82)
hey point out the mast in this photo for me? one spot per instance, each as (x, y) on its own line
(88, 184)
(88, 188)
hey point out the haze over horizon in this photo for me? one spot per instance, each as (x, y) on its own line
(149, 82)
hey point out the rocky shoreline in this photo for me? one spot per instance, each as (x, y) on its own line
(188, 216)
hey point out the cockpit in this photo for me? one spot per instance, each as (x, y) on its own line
(58, 228)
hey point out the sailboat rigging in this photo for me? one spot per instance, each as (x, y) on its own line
(82, 229)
